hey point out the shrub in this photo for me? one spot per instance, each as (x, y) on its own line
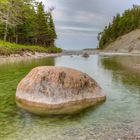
(54, 50)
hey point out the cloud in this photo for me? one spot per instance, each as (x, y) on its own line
(85, 17)
(78, 30)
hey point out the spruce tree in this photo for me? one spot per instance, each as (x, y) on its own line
(52, 32)
(42, 25)
(26, 31)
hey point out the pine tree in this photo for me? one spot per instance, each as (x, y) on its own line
(52, 32)
(42, 25)
(26, 31)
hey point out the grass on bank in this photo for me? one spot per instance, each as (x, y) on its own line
(7, 48)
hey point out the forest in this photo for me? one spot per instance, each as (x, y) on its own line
(121, 24)
(26, 22)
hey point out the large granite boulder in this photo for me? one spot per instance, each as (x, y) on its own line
(57, 90)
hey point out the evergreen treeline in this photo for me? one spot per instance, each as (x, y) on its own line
(121, 24)
(26, 22)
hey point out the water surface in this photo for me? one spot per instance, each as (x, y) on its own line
(118, 117)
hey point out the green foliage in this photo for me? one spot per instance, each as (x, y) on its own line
(121, 24)
(7, 48)
(54, 50)
(51, 28)
(42, 25)
(26, 22)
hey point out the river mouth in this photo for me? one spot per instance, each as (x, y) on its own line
(117, 118)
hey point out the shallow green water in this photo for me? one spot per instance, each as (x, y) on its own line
(118, 117)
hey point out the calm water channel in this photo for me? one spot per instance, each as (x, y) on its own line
(118, 117)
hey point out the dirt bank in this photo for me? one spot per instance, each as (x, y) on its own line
(129, 43)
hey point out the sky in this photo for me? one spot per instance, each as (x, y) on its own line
(79, 21)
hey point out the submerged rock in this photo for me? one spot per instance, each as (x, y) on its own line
(57, 90)
(85, 55)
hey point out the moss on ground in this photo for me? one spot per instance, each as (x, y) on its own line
(7, 48)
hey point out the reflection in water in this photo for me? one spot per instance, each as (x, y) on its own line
(118, 117)
(124, 69)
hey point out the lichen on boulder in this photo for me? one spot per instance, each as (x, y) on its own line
(57, 90)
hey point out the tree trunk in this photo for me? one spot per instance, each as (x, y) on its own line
(6, 30)
(16, 39)
(6, 25)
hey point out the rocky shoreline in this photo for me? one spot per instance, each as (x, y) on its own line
(37, 55)
(30, 55)
(40, 55)
(26, 56)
